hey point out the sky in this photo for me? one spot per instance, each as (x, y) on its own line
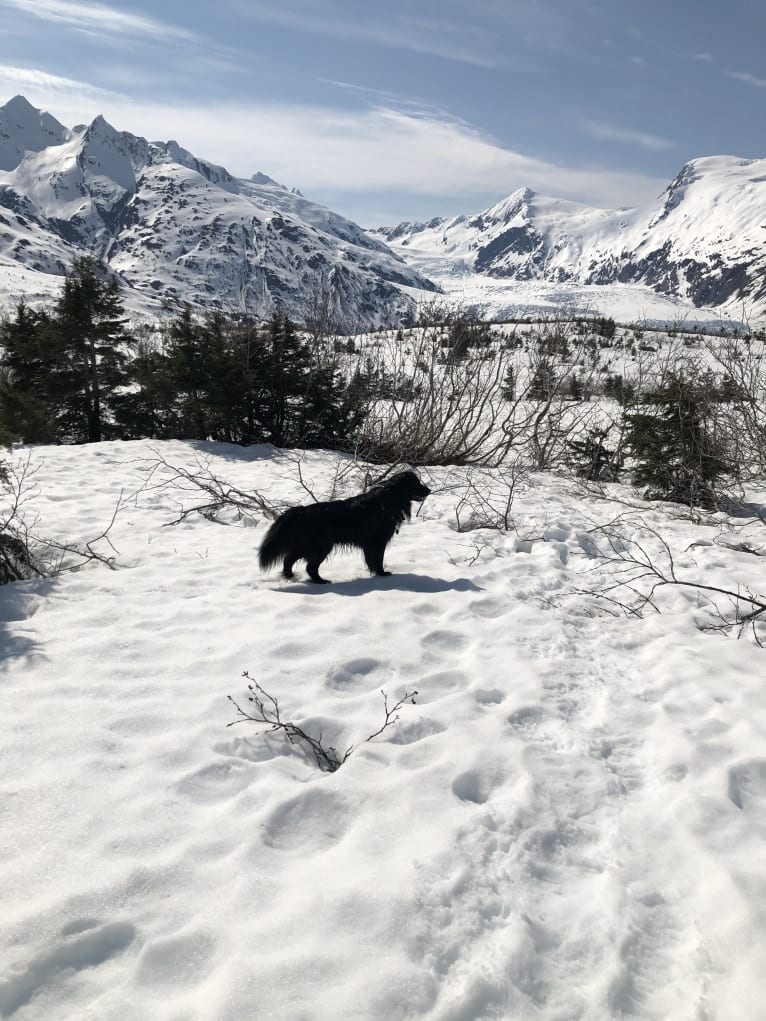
(408, 109)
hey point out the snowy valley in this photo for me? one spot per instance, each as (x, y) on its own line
(698, 254)
(174, 229)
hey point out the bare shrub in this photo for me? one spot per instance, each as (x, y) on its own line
(265, 709)
(479, 408)
(743, 391)
(16, 559)
(486, 499)
(210, 494)
(635, 562)
(27, 553)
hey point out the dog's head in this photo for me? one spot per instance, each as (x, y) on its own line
(408, 486)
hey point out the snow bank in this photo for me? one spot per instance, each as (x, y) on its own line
(569, 824)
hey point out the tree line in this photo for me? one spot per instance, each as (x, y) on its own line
(77, 373)
(455, 392)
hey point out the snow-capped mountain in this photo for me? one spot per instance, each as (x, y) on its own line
(705, 240)
(175, 228)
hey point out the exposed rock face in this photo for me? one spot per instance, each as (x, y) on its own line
(705, 239)
(175, 228)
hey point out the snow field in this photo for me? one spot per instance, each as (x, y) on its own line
(569, 824)
(498, 298)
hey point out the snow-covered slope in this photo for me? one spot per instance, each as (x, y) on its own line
(24, 129)
(704, 241)
(176, 228)
(568, 824)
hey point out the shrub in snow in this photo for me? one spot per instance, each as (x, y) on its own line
(592, 459)
(264, 708)
(16, 560)
(678, 455)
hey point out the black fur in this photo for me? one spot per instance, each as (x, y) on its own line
(366, 522)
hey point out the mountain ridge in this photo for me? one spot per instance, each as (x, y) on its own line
(177, 229)
(703, 240)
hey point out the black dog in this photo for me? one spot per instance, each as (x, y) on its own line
(366, 522)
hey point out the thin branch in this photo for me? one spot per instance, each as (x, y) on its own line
(265, 709)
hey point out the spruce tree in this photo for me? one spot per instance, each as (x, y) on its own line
(26, 366)
(677, 456)
(189, 375)
(88, 339)
(543, 383)
(301, 397)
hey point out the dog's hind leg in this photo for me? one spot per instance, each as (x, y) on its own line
(373, 557)
(287, 567)
(312, 565)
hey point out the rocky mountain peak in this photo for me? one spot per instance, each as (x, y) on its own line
(24, 128)
(179, 229)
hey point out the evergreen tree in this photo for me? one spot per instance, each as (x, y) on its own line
(543, 383)
(89, 361)
(509, 384)
(575, 388)
(26, 367)
(188, 372)
(623, 392)
(592, 459)
(148, 407)
(605, 327)
(231, 360)
(677, 457)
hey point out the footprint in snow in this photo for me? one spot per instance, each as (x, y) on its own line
(747, 785)
(473, 786)
(257, 749)
(488, 696)
(559, 533)
(440, 683)
(489, 608)
(409, 733)
(352, 673)
(85, 944)
(217, 781)
(444, 641)
(177, 960)
(527, 719)
(314, 820)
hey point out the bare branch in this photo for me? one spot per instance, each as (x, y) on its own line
(216, 494)
(265, 709)
(639, 572)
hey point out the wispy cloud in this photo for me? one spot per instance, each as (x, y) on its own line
(638, 61)
(705, 57)
(100, 19)
(382, 149)
(749, 79)
(41, 87)
(608, 133)
(451, 35)
(388, 148)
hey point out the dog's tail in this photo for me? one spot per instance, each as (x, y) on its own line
(277, 543)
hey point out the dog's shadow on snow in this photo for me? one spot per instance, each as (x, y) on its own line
(393, 583)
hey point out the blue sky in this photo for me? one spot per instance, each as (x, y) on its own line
(410, 108)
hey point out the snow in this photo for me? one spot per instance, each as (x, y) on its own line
(26, 129)
(491, 298)
(177, 229)
(701, 245)
(569, 824)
